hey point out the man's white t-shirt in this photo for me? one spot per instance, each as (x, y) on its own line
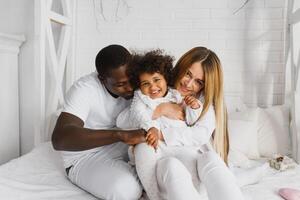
(89, 100)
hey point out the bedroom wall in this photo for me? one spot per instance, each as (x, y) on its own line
(17, 17)
(250, 43)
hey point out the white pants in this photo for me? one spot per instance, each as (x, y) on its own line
(174, 173)
(107, 176)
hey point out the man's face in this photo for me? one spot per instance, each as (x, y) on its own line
(117, 83)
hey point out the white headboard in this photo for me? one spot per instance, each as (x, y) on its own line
(54, 61)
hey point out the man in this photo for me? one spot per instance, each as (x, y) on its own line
(95, 154)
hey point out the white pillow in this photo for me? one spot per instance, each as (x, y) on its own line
(238, 159)
(242, 128)
(273, 131)
(234, 104)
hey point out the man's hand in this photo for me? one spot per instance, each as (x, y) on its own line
(192, 102)
(133, 137)
(169, 110)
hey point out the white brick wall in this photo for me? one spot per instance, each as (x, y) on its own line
(250, 43)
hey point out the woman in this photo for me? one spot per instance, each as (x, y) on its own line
(187, 153)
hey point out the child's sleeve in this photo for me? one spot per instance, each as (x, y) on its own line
(123, 120)
(141, 114)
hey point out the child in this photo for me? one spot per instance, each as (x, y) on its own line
(150, 76)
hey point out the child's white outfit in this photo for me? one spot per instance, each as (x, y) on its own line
(139, 115)
(142, 107)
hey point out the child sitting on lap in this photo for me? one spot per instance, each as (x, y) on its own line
(150, 76)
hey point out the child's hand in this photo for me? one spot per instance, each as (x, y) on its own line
(192, 102)
(152, 137)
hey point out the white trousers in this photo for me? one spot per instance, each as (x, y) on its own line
(107, 175)
(175, 172)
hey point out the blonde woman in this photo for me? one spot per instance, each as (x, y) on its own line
(190, 154)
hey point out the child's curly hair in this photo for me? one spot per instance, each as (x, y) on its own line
(151, 62)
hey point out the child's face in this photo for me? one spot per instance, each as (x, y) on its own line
(153, 85)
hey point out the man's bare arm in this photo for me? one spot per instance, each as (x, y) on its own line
(69, 135)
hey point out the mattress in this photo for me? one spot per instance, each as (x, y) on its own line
(40, 175)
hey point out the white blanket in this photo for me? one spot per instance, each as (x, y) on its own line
(40, 175)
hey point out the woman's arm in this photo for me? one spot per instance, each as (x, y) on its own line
(196, 135)
(169, 110)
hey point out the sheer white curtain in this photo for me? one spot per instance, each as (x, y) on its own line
(292, 72)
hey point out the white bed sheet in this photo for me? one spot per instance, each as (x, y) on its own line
(40, 175)
(267, 188)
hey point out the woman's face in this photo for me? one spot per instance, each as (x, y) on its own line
(193, 80)
(153, 85)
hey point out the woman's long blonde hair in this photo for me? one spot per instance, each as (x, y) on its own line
(213, 92)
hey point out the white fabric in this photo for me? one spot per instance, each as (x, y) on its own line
(219, 182)
(146, 159)
(187, 176)
(176, 177)
(197, 135)
(175, 180)
(89, 100)
(242, 128)
(139, 115)
(234, 104)
(142, 107)
(102, 171)
(273, 131)
(107, 176)
(238, 159)
(175, 132)
(250, 175)
(40, 175)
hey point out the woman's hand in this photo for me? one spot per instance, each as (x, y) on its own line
(169, 110)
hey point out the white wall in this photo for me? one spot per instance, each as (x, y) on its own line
(249, 43)
(18, 17)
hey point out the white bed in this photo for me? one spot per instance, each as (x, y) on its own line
(40, 175)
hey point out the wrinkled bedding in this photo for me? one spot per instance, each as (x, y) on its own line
(40, 175)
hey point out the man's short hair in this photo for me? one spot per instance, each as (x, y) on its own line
(111, 57)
